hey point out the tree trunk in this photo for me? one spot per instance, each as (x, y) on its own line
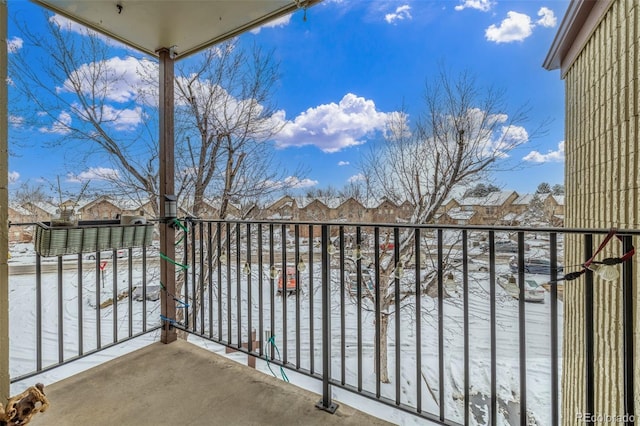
(384, 346)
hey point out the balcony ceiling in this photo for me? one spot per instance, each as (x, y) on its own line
(149, 25)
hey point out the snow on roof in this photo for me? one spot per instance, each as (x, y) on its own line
(523, 200)
(46, 207)
(497, 198)
(371, 203)
(333, 203)
(303, 202)
(459, 214)
(559, 199)
(20, 210)
(513, 218)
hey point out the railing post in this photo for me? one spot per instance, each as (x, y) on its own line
(589, 331)
(628, 327)
(553, 258)
(325, 403)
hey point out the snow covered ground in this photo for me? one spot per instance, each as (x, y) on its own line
(23, 319)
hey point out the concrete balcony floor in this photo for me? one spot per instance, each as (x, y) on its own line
(183, 384)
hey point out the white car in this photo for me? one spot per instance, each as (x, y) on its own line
(106, 254)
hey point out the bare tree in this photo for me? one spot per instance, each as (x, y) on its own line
(325, 195)
(80, 98)
(31, 193)
(460, 137)
(543, 188)
(106, 108)
(225, 118)
(535, 213)
(557, 189)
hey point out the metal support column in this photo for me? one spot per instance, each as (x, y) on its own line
(167, 187)
(325, 403)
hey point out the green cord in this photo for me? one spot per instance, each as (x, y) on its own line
(272, 340)
(168, 259)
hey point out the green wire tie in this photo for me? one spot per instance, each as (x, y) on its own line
(168, 259)
(183, 227)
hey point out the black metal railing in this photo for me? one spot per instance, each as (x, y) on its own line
(446, 323)
(63, 308)
(433, 320)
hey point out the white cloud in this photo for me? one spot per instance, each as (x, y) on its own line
(14, 44)
(60, 126)
(294, 182)
(15, 120)
(69, 25)
(94, 173)
(356, 178)
(508, 138)
(13, 177)
(66, 24)
(125, 78)
(401, 13)
(343, 163)
(548, 19)
(516, 27)
(333, 127)
(482, 5)
(122, 119)
(276, 23)
(492, 134)
(550, 157)
(291, 182)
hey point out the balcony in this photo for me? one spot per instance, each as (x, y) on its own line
(435, 322)
(182, 383)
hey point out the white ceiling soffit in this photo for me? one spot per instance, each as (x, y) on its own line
(190, 26)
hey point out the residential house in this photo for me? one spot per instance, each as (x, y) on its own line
(284, 208)
(102, 208)
(385, 212)
(18, 214)
(40, 211)
(459, 216)
(311, 209)
(554, 209)
(490, 209)
(351, 210)
(405, 210)
(597, 49)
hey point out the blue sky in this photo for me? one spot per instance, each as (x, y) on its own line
(353, 62)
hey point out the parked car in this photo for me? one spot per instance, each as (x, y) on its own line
(291, 286)
(106, 254)
(504, 246)
(534, 266)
